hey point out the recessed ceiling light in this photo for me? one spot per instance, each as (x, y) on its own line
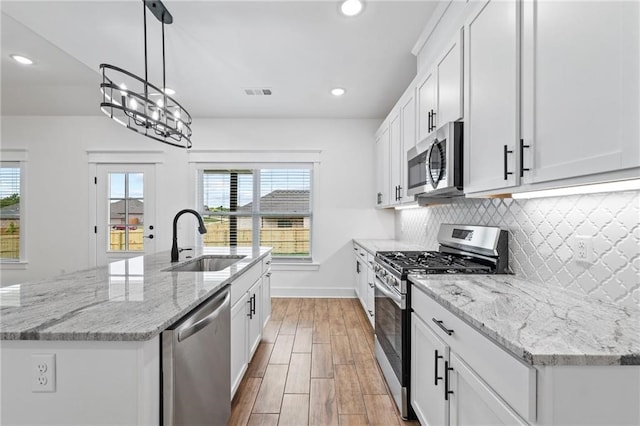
(351, 7)
(21, 59)
(169, 91)
(338, 91)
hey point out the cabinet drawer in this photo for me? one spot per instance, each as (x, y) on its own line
(511, 378)
(241, 285)
(266, 263)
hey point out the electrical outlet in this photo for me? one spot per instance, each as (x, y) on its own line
(43, 373)
(583, 248)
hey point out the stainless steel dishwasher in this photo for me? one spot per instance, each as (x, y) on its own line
(196, 365)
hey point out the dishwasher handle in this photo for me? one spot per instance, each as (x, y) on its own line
(199, 325)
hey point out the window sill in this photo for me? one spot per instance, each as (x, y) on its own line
(11, 266)
(293, 266)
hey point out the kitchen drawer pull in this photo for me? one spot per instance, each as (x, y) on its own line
(435, 368)
(447, 392)
(370, 313)
(522, 147)
(439, 324)
(507, 151)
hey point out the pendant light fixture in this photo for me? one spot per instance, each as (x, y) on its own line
(141, 106)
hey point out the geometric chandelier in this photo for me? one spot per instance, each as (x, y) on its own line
(139, 105)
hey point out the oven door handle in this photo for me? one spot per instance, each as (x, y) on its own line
(397, 299)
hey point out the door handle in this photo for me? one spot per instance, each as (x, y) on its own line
(447, 392)
(522, 147)
(437, 357)
(194, 328)
(150, 236)
(507, 151)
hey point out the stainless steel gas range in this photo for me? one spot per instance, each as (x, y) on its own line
(464, 249)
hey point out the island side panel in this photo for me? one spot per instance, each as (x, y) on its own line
(97, 382)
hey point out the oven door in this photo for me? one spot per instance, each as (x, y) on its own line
(390, 309)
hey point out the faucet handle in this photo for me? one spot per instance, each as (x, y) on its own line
(184, 249)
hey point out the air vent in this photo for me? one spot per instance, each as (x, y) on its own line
(257, 91)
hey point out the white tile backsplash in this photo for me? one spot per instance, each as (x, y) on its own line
(541, 238)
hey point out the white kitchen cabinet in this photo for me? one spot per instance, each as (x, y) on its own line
(440, 90)
(428, 353)
(492, 104)
(473, 402)
(395, 157)
(449, 88)
(239, 341)
(382, 166)
(426, 104)
(266, 298)
(249, 310)
(370, 288)
(580, 88)
(481, 383)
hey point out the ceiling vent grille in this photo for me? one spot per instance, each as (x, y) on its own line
(257, 91)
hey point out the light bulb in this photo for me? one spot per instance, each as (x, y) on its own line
(155, 115)
(351, 7)
(133, 104)
(338, 91)
(21, 59)
(160, 102)
(123, 89)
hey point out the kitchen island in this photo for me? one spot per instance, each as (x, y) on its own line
(103, 326)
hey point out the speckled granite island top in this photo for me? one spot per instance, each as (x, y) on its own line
(129, 300)
(542, 326)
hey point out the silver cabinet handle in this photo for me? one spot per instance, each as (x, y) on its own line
(197, 326)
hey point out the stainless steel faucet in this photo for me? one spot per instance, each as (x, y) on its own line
(201, 229)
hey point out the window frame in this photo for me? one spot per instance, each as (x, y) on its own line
(18, 158)
(256, 215)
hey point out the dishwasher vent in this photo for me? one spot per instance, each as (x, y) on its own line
(257, 91)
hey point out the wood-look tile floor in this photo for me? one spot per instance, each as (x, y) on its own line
(315, 366)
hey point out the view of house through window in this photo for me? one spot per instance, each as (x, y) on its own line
(259, 207)
(10, 211)
(126, 211)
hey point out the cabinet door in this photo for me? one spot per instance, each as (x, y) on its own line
(255, 317)
(426, 105)
(382, 169)
(239, 341)
(266, 297)
(371, 305)
(492, 96)
(450, 74)
(395, 154)
(581, 88)
(473, 402)
(428, 354)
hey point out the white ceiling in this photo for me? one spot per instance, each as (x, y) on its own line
(214, 49)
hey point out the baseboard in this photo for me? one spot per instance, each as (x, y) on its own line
(313, 292)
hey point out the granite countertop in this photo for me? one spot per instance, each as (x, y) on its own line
(130, 300)
(373, 246)
(538, 324)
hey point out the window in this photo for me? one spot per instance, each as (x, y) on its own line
(11, 244)
(259, 207)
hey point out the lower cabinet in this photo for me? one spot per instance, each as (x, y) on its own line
(364, 281)
(427, 385)
(445, 390)
(250, 310)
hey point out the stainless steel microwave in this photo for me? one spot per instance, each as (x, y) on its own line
(435, 164)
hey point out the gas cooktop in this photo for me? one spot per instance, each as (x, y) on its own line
(431, 262)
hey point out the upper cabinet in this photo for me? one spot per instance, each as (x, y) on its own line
(382, 165)
(492, 104)
(395, 137)
(440, 89)
(580, 88)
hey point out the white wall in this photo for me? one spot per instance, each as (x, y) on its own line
(59, 229)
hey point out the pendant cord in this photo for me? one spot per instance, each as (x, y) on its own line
(146, 76)
(164, 82)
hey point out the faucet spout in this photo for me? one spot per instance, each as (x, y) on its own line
(201, 229)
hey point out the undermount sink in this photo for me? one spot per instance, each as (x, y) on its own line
(206, 263)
